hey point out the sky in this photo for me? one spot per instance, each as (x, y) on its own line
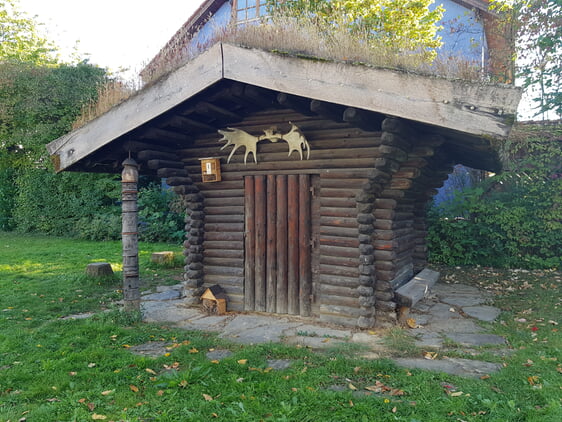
(113, 33)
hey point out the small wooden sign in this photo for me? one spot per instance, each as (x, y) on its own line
(210, 169)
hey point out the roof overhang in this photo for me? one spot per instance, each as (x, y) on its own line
(471, 109)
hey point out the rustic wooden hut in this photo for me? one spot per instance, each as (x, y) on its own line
(321, 211)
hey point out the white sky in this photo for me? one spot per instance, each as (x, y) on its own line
(113, 33)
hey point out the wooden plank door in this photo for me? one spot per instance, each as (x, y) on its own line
(277, 259)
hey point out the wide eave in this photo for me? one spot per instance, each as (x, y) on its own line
(470, 112)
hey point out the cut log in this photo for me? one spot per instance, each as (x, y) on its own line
(166, 257)
(417, 288)
(99, 269)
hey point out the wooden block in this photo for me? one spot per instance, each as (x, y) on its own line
(417, 288)
(99, 269)
(166, 257)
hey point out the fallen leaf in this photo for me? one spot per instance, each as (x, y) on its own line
(207, 397)
(73, 374)
(351, 403)
(484, 377)
(239, 379)
(457, 394)
(107, 392)
(193, 350)
(81, 400)
(54, 399)
(352, 387)
(394, 409)
(150, 371)
(533, 380)
(91, 365)
(242, 361)
(356, 369)
(97, 417)
(215, 361)
(214, 415)
(430, 355)
(411, 322)
(91, 406)
(134, 388)
(160, 393)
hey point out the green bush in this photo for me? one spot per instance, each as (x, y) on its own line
(513, 219)
(161, 216)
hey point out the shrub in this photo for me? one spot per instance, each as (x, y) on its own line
(513, 219)
(161, 218)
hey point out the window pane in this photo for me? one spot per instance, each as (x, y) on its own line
(263, 10)
(241, 15)
(251, 13)
(242, 4)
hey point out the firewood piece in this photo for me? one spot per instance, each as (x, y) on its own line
(417, 288)
(99, 269)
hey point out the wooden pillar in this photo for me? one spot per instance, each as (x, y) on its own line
(131, 284)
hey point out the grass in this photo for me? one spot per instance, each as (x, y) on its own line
(54, 369)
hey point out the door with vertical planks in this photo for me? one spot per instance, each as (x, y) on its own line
(277, 258)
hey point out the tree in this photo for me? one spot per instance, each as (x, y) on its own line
(19, 37)
(539, 48)
(403, 26)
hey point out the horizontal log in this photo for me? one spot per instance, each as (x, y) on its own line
(330, 250)
(407, 173)
(351, 263)
(224, 245)
(223, 253)
(224, 227)
(338, 280)
(339, 270)
(222, 218)
(391, 224)
(158, 164)
(224, 202)
(177, 181)
(344, 311)
(147, 155)
(401, 184)
(231, 210)
(386, 203)
(349, 222)
(224, 262)
(346, 183)
(228, 271)
(349, 192)
(338, 212)
(223, 193)
(233, 284)
(338, 203)
(224, 236)
(338, 241)
(222, 185)
(335, 300)
(384, 213)
(339, 231)
(171, 172)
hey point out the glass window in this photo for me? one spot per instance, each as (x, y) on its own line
(250, 10)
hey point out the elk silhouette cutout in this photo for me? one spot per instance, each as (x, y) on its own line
(239, 138)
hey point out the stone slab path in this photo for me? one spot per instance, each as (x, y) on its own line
(448, 319)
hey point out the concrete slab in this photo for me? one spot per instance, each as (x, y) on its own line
(247, 329)
(316, 343)
(470, 340)
(153, 349)
(160, 289)
(454, 325)
(165, 295)
(427, 339)
(308, 330)
(483, 312)
(203, 322)
(218, 354)
(454, 366)
(460, 295)
(169, 311)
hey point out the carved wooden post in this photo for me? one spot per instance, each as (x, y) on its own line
(129, 180)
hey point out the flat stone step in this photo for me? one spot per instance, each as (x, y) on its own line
(454, 366)
(417, 288)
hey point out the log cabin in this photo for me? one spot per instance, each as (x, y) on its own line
(305, 181)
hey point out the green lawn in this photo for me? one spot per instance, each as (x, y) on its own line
(52, 369)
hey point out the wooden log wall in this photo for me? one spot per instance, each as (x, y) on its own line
(417, 167)
(342, 161)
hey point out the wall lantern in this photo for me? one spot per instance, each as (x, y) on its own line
(210, 169)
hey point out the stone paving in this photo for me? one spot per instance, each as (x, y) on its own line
(448, 319)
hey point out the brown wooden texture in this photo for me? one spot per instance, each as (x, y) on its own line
(261, 241)
(271, 255)
(282, 252)
(293, 244)
(249, 246)
(305, 279)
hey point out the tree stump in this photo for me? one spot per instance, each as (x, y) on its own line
(99, 269)
(166, 257)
